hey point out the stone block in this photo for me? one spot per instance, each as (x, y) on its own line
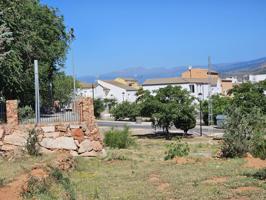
(48, 129)
(59, 143)
(90, 154)
(96, 146)
(85, 146)
(45, 151)
(2, 132)
(78, 134)
(51, 135)
(8, 147)
(1, 143)
(74, 126)
(73, 153)
(61, 128)
(16, 139)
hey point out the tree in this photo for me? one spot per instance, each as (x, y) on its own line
(38, 33)
(5, 38)
(169, 106)
(219, 106)
(98, 107)
(62, 89)
(125, 110)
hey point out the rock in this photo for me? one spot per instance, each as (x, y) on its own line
(103, 153)
(85, 146)
(16, 139)
(78, 134)
(45, 151)
(2, 132)
(1, 143)
(61, 128)
(59, 143)
(51, 135)
(96, 145)
(77, 143)
(8, 147)
(73, 153)
(48, 129)
(74, 126)
(89, 154)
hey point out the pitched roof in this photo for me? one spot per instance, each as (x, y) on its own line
(123, 86)
(83, 85)
(177, 80)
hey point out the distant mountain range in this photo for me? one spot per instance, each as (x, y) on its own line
(238, 69)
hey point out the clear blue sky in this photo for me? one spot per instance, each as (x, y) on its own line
(117, 34)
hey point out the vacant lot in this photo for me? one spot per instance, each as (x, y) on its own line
(141, 173)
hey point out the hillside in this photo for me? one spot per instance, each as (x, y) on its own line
(239, 69)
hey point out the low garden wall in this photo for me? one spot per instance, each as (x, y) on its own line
(79, 138)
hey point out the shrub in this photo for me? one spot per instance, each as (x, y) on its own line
(25, 113)
(258, 145)
(261, 174)
(98, 107)
(118, 138)
(32, 145)
(177, 148)
(36, 187)
(125, 110)
(240, 131)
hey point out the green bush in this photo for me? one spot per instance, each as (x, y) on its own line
(98, 107)
(240, 133)
(125, 110)
(118, 138)
(258, 145)
(261, 174)
(32, 145)
(25, 113)
(177, 148)
(36, 187)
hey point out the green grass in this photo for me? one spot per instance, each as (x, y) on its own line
(140, 172)
(128, 174)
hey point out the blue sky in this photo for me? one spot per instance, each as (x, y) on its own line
(118, 34)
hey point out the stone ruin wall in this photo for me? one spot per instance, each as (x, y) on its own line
(79, 138)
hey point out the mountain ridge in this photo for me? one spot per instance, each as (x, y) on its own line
(238, 69)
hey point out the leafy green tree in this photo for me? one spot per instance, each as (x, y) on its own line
(219, 106)
(248, 96)
(39, 33)
(62, 88)
(169, 106)
(98, 107)
(5, 38)
(125, 110)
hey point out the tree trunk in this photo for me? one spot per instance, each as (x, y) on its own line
(167, 135)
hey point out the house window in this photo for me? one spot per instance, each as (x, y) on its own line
(192, 88)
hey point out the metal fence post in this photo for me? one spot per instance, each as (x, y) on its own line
(37, 94)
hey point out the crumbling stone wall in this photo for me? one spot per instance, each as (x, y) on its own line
(80, 139)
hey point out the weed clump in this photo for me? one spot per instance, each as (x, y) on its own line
(32, 145)
(118, 138)
(177, 148)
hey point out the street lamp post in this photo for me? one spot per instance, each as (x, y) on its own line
(123, 93)
(200, 100)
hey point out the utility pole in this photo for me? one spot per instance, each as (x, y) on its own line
(37, 93)
(210, 111)
(74, 81)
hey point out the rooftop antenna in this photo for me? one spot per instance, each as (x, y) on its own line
(210, 110)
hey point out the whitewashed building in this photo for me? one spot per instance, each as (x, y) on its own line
(257, 78)
(194, 85)
(108, 89)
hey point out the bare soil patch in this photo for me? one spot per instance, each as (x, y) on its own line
(161, 185)
(12, 191)
(247, 188)
(183, 160)
(256, 163)
(216, 180)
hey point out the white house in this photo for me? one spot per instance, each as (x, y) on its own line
(194, 85)
(118, 91)
(257, 78)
